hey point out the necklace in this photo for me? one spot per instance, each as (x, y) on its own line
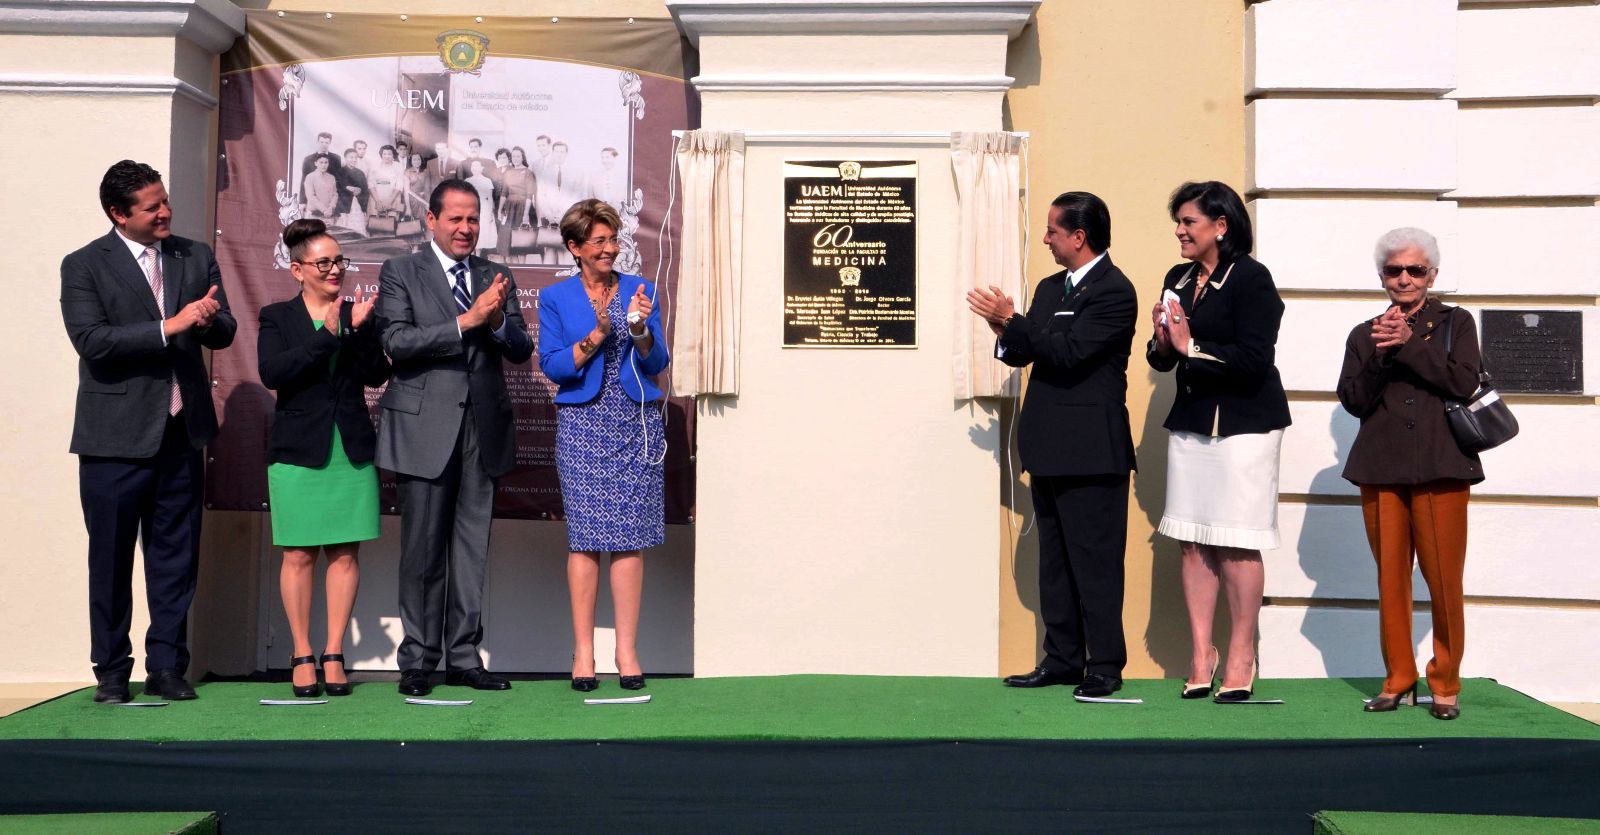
(603, 299)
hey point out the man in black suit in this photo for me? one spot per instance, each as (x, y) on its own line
(449, 321)
(1074, 441)
(139, 304)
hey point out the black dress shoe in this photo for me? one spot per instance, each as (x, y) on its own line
(414, 683)
(477, 678)
(168, 685)
(1042, 677)
(631, 682)
(585, 684)
(309, 691)
(111, 692)
(1097, 686)
(1445, 712)
(334, 688)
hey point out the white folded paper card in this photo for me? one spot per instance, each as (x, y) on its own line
(143, 704)
(1254, 702)
(413, 700)
(1102, 700)
(1167, 296)
(287, 702)
(620, 700)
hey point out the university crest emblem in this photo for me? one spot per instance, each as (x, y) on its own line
(463, 50)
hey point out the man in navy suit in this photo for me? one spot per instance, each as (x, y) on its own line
(1074, 441)
(139, 304)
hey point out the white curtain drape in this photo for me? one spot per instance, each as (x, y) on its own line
(991, 212)
(705, 342)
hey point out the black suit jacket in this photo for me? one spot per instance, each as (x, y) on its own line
(1074, 419)
(294, 359)
(123, 367)
(1229, 381)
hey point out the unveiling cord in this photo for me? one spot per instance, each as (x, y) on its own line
(1015, 402)
(664, 254)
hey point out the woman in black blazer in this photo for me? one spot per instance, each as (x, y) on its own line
(319, 354)
(1217, 325)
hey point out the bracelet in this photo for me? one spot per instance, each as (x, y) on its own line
(639, 337)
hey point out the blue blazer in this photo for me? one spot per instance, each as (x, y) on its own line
(566, 317)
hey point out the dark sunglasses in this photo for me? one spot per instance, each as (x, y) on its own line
(1413, 270)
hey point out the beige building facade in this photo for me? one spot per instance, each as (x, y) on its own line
(903, 555)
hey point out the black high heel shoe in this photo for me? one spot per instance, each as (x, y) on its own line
(1200, 691)
(1444, 711)
(311, 690)
(1239, 694)
(585, 684)
(631, 682)
(1383, 704)
(335, 688)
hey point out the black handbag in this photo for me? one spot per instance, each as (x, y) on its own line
(1483, 421)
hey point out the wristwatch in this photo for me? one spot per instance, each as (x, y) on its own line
(587, 345)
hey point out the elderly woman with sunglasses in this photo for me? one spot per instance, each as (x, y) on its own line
(1399, 369)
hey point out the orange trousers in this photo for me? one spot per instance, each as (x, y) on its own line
(1430, 521)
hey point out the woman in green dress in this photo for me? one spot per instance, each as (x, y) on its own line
(318, 354)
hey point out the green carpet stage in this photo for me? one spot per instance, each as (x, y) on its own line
(799, 753)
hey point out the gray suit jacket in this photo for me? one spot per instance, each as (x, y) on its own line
(123, 368)
(437, 372)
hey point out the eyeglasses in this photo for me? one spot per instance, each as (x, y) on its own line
(325, 265)
(603, 241)
(1413, 270)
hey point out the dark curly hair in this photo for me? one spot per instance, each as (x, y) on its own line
(298, 235)
(1217, 200)
(122, 183)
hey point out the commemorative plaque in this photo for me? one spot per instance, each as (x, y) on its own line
(1534, 350)
(850, 254)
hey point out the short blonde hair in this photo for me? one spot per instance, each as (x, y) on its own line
(579, 220)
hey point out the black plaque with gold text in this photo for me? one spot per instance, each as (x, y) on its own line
(850, 254)
(1534, 350)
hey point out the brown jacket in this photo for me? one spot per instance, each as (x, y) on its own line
(1399, 396)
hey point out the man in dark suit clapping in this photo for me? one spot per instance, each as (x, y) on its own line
(448, 320)
(139, 304)
(1074, 441)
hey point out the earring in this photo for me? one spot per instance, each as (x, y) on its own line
(1219, 239)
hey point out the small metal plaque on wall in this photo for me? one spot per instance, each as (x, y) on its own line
(1537, 351)
(850, 254)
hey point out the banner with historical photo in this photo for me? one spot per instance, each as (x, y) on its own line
(354, 118)
(850, 254)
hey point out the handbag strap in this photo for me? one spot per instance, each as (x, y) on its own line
(1484, 380)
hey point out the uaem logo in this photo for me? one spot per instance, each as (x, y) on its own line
(849, 170)
(463, 50)
(850, 276)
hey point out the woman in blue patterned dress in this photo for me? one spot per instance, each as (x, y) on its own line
(600, 341)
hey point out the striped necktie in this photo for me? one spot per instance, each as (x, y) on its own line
(459, 287)
(152, 274)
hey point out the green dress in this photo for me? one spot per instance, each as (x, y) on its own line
(327, 505)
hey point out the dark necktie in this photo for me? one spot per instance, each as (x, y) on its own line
(459, 287)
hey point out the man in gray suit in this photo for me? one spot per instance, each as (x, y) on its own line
(448, 320)
(139, 304)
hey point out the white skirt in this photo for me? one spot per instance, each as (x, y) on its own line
(1223, 491)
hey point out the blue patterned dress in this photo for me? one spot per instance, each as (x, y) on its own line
(609, 460)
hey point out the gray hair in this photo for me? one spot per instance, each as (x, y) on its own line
(1405, 237)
